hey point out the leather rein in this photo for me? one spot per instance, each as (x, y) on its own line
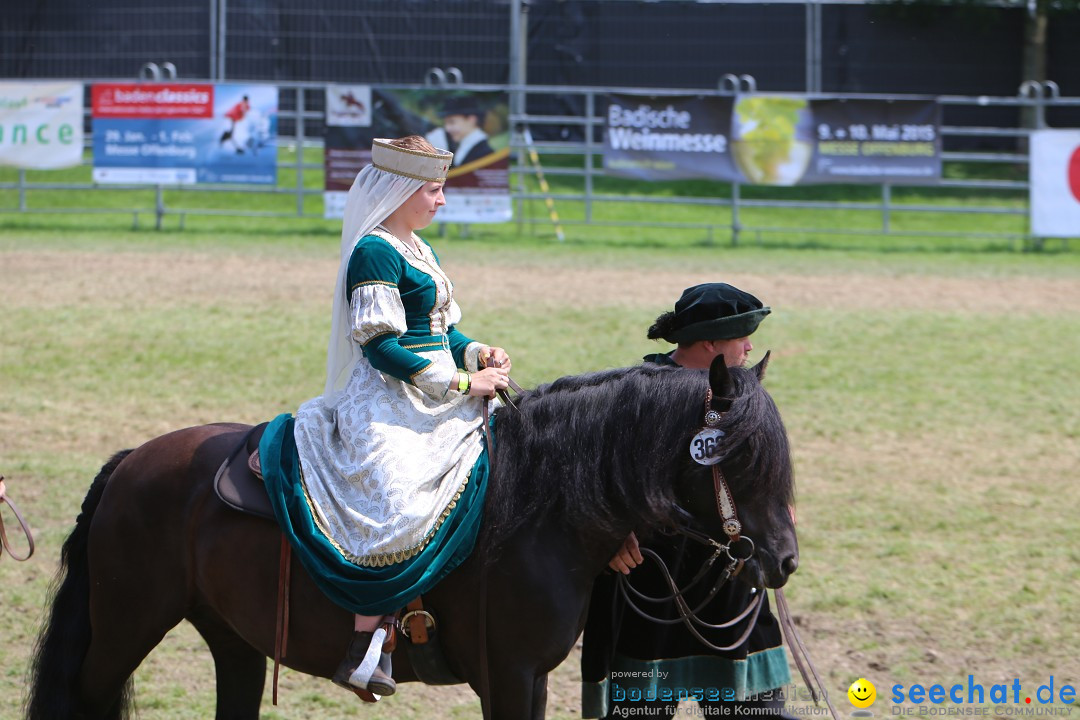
(5, 545)
(507, 401)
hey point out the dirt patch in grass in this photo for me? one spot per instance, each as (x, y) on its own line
(56, 278)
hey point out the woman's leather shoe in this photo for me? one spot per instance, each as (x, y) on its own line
(380, 682)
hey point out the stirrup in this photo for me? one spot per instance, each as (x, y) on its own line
(364, 663)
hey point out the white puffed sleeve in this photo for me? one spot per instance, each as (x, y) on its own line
(376, 309)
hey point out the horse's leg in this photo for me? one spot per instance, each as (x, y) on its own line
(533, 612)
(539, 708)
(131, 610)
(240, 669)
(516, 692)
(512, 695)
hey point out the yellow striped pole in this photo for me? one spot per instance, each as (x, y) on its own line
(534, 158)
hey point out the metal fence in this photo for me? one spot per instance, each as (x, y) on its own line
(570, 122)
(788, 45)
(999, 181)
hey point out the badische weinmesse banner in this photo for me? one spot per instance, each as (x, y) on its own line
(773, 139)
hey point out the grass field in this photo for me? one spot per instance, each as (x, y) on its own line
(931, 396)
(966, 219)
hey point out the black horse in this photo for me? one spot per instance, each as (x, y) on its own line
(584, 461)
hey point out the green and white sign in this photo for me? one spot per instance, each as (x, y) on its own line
(41, 124)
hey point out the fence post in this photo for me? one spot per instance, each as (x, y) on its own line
(22, 190)
(213, 29)
(301, 106)
(590, 112)
(1039, 92)
(223, 11)
(886, 206)
(736, 226)
(159, 206)
(812, 22)
(519, 32)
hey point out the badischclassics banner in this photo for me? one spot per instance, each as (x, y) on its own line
(184, 133)
(773, 139)
(472, 125)
(41, 125)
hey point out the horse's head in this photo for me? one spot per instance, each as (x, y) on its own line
(742, 437)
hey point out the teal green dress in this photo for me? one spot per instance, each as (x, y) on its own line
(381, 491)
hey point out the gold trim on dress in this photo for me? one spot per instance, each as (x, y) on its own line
(382, 559)
(372, 282)
(412, 378)
(377, 335)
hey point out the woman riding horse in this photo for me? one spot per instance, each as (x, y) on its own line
(379, 482)
(392, 452)
(582, 462)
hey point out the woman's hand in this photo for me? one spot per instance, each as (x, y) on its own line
(487, 381)
(502, 360)
(628, 557)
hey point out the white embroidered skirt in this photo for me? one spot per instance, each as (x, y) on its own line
(382, 469)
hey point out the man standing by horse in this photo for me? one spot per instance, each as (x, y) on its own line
(633, 666)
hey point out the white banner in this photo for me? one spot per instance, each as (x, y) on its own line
(41, 125)
(1055, 183)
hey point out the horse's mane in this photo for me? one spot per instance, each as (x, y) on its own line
(598, 447)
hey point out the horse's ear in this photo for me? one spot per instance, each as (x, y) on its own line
(760, 368)
(720, 379)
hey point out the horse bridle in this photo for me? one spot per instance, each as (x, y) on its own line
(738, 550)
(725, 507)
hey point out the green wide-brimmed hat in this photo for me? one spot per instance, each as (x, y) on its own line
(711, 311)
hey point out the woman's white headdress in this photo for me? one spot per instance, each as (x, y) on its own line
(379, 189)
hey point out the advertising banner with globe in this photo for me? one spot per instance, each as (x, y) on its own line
(773, 139)
(472, 125)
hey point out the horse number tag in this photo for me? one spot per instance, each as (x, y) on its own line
(705, 447)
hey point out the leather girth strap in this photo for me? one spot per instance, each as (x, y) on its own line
(423, 647)
(281, 634)
(417, 631)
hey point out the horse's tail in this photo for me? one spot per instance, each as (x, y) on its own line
(65, 637)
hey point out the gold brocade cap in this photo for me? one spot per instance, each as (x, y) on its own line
(415, 164)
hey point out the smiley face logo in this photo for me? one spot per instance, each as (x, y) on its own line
(862, 693)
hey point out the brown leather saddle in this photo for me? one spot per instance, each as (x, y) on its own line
(239, 481)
